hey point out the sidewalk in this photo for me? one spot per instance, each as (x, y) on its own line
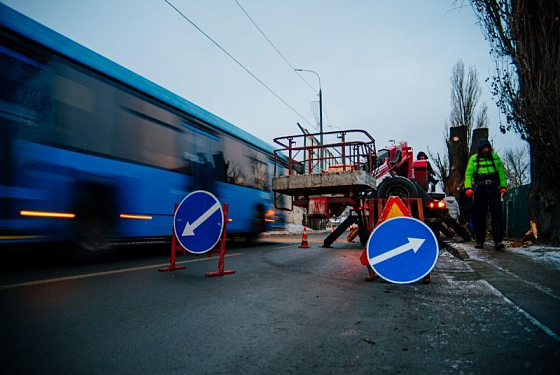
(527, 277)
(293, 229)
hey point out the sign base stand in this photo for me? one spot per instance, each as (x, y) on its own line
(174, 249)
(388, 212)
(220, 250)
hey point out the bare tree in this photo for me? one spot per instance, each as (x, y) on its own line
(482, 117)
(465, 94)
(441, 165)
(524, 37)
(516, 163)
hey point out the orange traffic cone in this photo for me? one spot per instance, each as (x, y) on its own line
(304, 244)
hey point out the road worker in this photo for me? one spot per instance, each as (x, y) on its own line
(485, 178)
(452, 206)
(431, 174)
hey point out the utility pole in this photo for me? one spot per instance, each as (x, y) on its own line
(321, 151)
(321, 117)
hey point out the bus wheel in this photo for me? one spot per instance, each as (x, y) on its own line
(257, 227)
(397, 186)
(95, 219)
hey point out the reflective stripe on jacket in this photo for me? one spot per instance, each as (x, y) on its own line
(485, 168)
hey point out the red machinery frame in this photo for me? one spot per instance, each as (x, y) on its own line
(345, 154)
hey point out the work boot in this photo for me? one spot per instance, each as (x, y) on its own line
(499, 246)
(479, 245)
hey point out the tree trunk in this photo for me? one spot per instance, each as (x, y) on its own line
(458, 158)
(544, 198)
(525, 40)
(538, 43)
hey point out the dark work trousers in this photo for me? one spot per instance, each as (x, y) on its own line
(484, 197)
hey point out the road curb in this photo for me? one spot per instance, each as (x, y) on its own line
(457, 251)
(284, 233)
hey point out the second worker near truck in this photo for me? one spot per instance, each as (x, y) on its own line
(485, 178)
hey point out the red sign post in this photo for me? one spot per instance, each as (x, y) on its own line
(221, 250)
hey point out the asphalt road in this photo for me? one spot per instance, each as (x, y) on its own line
(285, 310)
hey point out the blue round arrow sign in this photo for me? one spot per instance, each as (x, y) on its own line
(402, 250)
(198, 222)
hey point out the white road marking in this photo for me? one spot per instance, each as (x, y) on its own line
(530, 317)
(96, 274)
(286, 247)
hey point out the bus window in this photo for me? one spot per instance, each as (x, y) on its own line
(141, 134)
(247, 166)
(75, 115)
(203, 157)
(23, 102)
(259, 170)
(236, 161)
(220, 166)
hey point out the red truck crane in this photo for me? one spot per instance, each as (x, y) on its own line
(347, 170)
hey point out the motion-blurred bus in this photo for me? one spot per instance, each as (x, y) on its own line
(93, 153)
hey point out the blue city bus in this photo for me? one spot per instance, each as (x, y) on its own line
(93, 153)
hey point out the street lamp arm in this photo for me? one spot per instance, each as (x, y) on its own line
(311, 71)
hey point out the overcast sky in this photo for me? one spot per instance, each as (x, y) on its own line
(384, 64)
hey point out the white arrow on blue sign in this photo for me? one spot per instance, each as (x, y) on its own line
(198, 222)
(402, 250)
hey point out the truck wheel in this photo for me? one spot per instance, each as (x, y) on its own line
(364, 236)
(397, 186)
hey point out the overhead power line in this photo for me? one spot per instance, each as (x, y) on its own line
(237, 61)
(328, 119)
(313, 109)
(273, 46)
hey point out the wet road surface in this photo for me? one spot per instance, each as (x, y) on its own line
(285, 310)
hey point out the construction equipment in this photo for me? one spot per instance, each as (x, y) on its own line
(346, 170)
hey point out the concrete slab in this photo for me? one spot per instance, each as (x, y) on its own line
(324, 183)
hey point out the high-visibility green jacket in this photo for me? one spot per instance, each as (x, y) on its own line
(482, 168)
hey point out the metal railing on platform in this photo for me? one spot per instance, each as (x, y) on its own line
(341, 151)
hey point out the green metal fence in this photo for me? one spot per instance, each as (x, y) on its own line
(516, 212)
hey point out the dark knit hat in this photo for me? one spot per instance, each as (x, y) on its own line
(483, 142)
(420, 154)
